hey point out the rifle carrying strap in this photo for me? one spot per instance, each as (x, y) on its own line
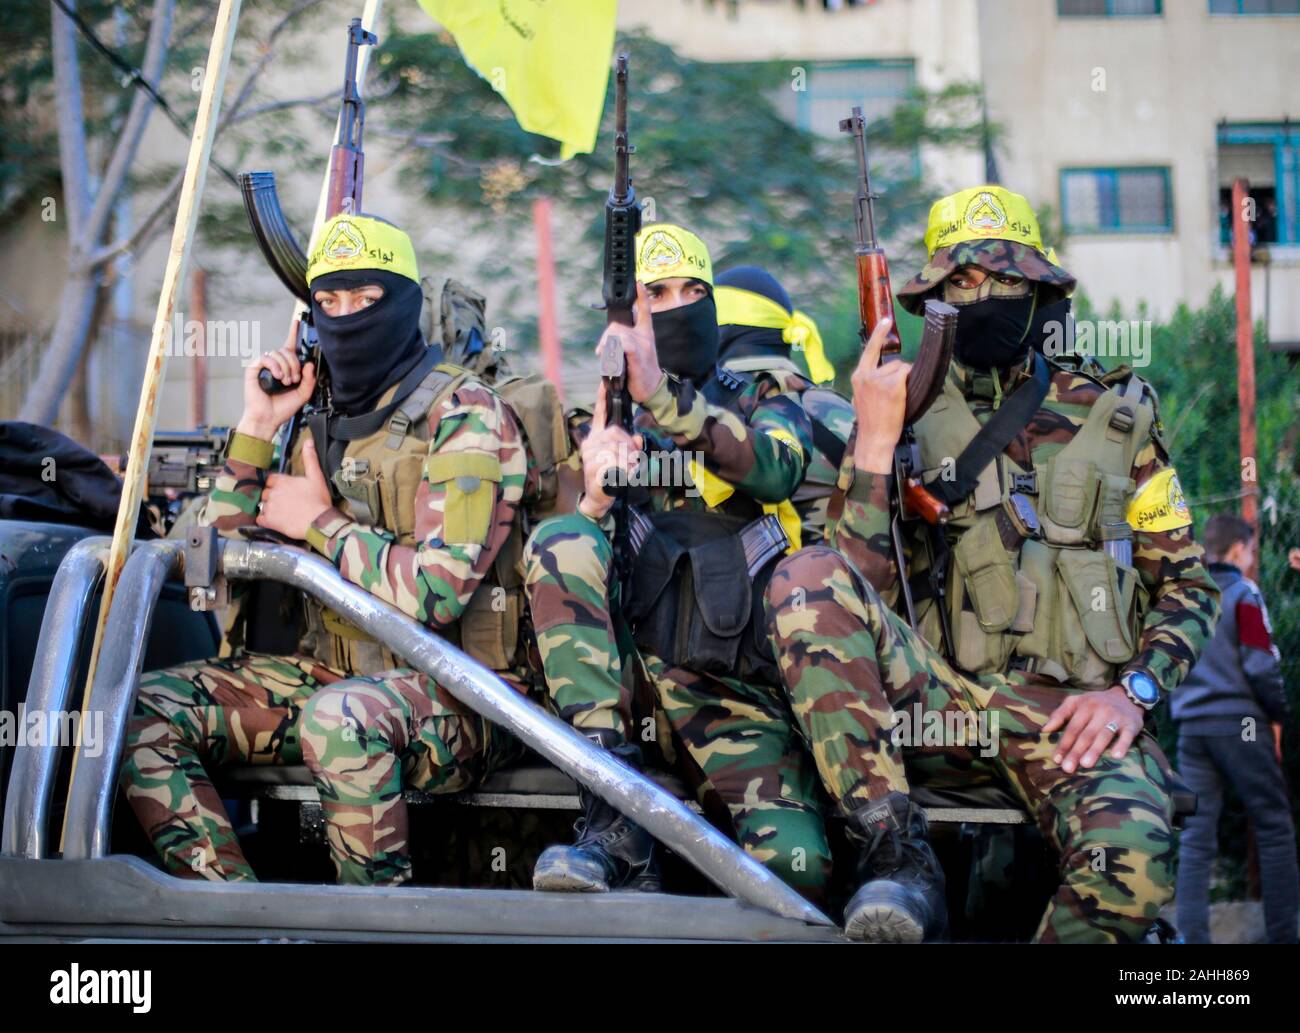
(1010, 419)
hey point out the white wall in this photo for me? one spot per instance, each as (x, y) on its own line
(1166, 82)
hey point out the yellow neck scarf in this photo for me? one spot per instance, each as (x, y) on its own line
(738, 307)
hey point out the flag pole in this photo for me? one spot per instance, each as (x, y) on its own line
(146, 416)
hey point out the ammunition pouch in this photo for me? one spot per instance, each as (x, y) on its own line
(693, 600)
(1032, 586)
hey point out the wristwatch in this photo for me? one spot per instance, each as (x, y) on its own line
(1141, 688)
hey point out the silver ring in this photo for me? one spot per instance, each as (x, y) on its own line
(1113, 728)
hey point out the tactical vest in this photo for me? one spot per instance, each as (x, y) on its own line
(378, 478)
(1051, 601)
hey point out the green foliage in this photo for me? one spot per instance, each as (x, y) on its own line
(1194, 363)
(712, 151)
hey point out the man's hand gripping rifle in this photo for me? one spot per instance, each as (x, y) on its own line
(910, 501)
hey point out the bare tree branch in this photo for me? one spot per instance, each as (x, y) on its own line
(133, 240)
(128, 142)
(268, 54)
(427, 142)
(280, 105)
(73, 163)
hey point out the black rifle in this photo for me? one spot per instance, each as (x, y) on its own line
(622, 223)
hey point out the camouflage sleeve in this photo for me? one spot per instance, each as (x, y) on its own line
(859, 520)
(762, 453)
(466, 503)
(232, 502)
(1183, 599)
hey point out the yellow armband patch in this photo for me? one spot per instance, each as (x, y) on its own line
(1159, 504)
(467, 479)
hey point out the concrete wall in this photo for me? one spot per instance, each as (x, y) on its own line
(1141, 91)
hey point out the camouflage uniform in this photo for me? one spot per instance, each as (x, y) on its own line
(737, 744)
(363, 733)
(849, 662)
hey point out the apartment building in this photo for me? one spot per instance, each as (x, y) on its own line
(1126, 119)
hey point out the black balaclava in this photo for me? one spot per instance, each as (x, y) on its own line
(994, 333)
(1051, 324)
(737, 342)
(369, 351)
(686, 339)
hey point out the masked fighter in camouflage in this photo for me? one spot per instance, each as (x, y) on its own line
(760, 331)
(1069, 593)
(413, 490)
(746, 442)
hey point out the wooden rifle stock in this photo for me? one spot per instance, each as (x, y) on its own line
(919, 502)
(875, 303)
(875, 298)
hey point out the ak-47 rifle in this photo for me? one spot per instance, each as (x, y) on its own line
(282, 251)
(925, 379)
(622, 223)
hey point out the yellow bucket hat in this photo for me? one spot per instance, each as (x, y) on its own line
(664, 251)
(348, 242)
(988, 226)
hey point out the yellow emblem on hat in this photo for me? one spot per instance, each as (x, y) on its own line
(360, 242)
(665, 251)
(345, 241)
(661, 251)
(982, 213)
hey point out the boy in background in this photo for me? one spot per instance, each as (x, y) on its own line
(1230, 711)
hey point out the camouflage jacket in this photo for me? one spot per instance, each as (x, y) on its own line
(757, 448)
(823, 405)
(1183, 605)
(434, 579)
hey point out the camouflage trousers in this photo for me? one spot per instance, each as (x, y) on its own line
(855, 672)
(364, 739)
(734, 742)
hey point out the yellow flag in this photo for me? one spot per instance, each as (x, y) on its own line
(549, 59)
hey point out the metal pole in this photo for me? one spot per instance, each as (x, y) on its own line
(666, 818)
(31, 779)
(1245, 355)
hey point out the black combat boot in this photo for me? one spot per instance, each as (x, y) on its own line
(902, 897)
(611, 851)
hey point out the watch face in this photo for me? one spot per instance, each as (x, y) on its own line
(1144, 687)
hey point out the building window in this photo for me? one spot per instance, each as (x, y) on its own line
(832, 88)
(1109, 8)
(1255, 6)
(1136, 200)
(1268, 157)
